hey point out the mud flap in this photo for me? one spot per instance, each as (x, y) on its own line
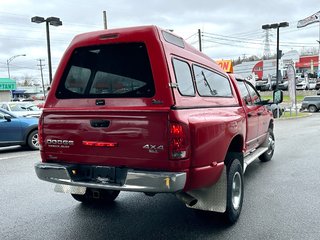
(213, 198)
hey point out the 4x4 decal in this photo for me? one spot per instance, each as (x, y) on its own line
(153, 148)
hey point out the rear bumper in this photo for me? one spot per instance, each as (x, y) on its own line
(131, 180)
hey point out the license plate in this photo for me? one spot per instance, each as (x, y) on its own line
(104, 174)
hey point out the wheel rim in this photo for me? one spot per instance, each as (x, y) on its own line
(271, 145)
(35, 141)
(312, 108)
(236, 190)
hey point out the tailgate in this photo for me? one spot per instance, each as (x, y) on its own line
(118, 138)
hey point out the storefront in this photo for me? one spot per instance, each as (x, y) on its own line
(7, 85)
(307, 64)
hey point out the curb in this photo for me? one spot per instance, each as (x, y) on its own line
(294, 117)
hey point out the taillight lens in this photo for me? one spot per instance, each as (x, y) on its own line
(178, 141)
(40, 133)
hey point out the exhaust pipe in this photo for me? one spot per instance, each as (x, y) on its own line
(186, 198)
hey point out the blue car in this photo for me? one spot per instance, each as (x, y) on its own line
(18, 130)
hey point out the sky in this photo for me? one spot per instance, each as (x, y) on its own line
(229, 29)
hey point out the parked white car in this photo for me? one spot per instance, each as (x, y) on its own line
(312, 83)
(22, 109)
(303, 85)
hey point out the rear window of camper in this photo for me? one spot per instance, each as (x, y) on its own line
(108, 71)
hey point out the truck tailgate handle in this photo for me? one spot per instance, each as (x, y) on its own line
(100, 123)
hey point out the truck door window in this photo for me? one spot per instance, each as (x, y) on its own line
(183, 77)
(210, 83)
(253, 93)
(248, 92)
(244, 92)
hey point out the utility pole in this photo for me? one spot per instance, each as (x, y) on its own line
(200, 43)
(105, 20)
(41, 67)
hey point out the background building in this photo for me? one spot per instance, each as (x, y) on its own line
(263, 68)
(7, 85)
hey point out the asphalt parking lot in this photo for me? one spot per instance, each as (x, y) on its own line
(281, 200)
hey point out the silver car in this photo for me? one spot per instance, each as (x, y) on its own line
(22, 109)
(311, 103)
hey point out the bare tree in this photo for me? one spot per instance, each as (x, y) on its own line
(309, 51)
(28, 80)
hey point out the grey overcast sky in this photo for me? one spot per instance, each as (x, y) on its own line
(230, 28)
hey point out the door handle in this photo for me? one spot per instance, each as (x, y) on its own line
(100, 123)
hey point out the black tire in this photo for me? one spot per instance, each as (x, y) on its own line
(32, 140)
(97, 196)
(234, 188)
(270, 142)
(312, 108)
(274, 113)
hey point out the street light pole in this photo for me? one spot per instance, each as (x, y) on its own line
(10, 59)
(277, 62)
(277, 26)
(54, 21)
(49, 52)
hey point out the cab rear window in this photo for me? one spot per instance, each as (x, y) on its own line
(108, 71)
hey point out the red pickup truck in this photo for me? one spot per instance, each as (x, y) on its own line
(139, 109)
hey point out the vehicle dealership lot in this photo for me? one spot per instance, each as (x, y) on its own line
(281, 200)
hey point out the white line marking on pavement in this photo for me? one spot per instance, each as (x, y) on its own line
(18, 156)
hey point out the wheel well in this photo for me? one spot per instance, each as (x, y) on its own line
(236, 145)
(271, 124)
(28, 134)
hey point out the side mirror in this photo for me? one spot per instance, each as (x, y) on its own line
(7, 117)
(277, 96)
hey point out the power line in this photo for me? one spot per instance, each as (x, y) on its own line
(193, 35)
(231, 37)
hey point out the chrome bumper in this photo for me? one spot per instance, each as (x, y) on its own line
(134, 180)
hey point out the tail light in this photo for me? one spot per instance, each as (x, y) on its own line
(178, 141)
(40, 132)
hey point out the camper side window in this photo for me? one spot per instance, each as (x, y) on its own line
(211, 84)
(184, 78)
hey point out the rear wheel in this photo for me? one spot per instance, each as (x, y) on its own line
(312, 108)
(270, 143)
(275, 113)
(234, 188)
(97, 196)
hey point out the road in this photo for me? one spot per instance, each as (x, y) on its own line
(282, 199)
